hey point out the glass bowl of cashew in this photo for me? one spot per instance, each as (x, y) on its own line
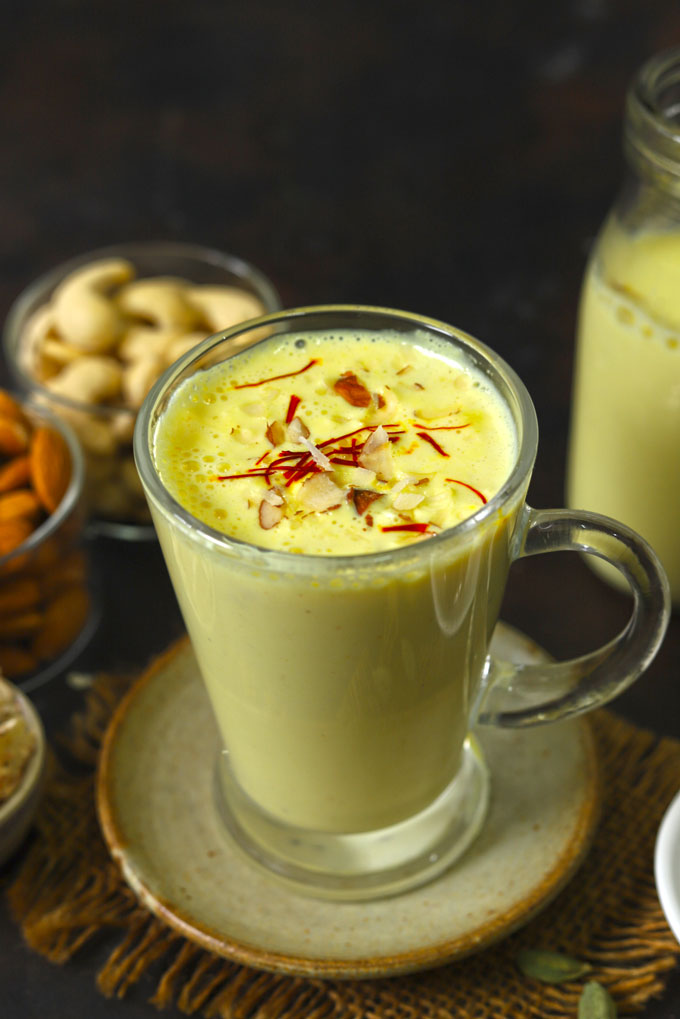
(90, 337)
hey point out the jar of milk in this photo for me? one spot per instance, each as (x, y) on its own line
(624, 456)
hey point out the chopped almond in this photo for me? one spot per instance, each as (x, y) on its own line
(407, 500)
(362, 499)
(317, 456)
(276, 433)
(351, 390)
(320, 493)
(273, 497)
(269, 515)
(377, 455)
(297, 430)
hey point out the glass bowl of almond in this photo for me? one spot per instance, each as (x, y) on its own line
(89, 338)
(47, 611)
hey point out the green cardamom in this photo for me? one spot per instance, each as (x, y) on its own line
(550, 967)
(596, 1002)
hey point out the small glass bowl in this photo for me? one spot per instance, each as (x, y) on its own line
(115, 501)
(18, 810)
(48, 612)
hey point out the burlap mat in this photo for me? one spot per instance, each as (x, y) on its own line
(68, 891)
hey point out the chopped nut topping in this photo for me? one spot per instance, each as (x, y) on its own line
(320, 458)
(362, 498)
(320, 493)
(273, 497)
(297, 430)
(350, 389)
(377, 454)
(276, 433)
(407, 500)
(269, 515)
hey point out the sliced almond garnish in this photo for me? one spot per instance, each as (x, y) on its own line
(317, 456)
(269, 515)
(377, 454)
(297, 430)
(351, 390)
(320, 493)
(376, 439)
(363, 498)
(276, 433)
(273, 497)
(407, 500)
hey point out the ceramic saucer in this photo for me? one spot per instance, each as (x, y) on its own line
(667, 865)
(156, 808)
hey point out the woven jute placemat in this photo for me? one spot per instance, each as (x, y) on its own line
(68, 891)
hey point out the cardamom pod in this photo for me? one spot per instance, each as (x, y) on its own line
(596, 1002)
(550, 967)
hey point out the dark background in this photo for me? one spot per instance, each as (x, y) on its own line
(450, 158)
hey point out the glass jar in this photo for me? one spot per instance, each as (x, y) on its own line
(224, 290)
(625, 432)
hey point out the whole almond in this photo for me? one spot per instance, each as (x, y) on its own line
(64, 618)
(11, 408)
(50, 466)
(15, 473)
(21, 503)
(19, 593)
(13, 437)
(20, 624)
(13, 532)
(71, 569)
(16, 662)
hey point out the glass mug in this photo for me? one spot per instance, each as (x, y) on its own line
(346, 688)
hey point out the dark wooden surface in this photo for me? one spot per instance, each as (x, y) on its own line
(451, 158)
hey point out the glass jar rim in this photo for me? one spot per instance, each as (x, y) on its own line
(652, 120)
(504, 378)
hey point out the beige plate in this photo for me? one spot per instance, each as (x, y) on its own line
(157, 813)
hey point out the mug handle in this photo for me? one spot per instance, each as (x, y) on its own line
(554, 690)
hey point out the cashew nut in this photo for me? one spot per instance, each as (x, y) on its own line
(93, 432)
(83, 313)
(102, 340)
(145, 341)
(88, 380)
(37, 329)
(58, 352)
(222, 307)
(123, 426)
(139, 378)
(160, 300)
